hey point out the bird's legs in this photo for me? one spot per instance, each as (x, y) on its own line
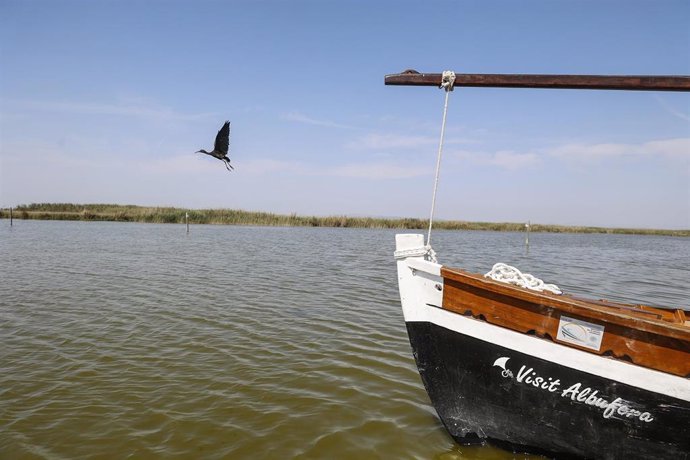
(228, 166)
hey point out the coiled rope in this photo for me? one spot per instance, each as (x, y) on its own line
(507, 274)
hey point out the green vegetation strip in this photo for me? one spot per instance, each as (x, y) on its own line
(130, 213)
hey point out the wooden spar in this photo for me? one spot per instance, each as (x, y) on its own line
(616, 82)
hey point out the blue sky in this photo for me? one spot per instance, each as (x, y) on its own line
(107, 101)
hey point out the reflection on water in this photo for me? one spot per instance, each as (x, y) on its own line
(242, 342)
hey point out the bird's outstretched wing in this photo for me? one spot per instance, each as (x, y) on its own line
(223, 139)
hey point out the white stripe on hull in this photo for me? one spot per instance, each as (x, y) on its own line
(619, 371)
(421, 286)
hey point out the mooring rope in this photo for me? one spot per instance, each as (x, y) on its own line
(500, 271)
(507, 274)
(447, 82)
(424, 251)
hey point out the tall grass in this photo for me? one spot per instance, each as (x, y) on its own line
(131, 213)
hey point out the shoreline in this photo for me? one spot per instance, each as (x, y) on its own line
(172, 215)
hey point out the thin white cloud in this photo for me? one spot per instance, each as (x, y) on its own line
(126, 109)
(301, 118)
(260, 166)
(178, 163)
(378, 171)
(181, 164)
(672, 110)
(366, 170)
(670, 148)
(673, 149)
(378, 141)
(392, 141)
(512, 160)
(506, 159)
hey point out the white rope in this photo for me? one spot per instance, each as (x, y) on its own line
(447, 81)
(507, 274)
(424, 251)
(500, 271)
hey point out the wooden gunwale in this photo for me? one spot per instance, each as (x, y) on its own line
(654, 338)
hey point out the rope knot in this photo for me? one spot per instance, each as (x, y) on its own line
(447, 80)
(424, 251)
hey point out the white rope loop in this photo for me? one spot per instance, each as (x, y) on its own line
(424, 251)
(447, 82)
(507, 274)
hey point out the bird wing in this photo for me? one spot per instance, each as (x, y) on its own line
(223, 139)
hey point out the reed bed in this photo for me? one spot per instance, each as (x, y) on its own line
(171, 215)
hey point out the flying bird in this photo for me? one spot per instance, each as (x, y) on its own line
(220, 147)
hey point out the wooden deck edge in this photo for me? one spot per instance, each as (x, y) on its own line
(640, 335)
(649, 319)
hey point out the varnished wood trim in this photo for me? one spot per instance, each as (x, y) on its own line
(592, 309)
(643, 336)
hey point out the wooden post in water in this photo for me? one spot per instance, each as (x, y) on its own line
(527, 234)
(186, 220)
(10, 216)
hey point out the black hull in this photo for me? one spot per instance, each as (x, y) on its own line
(482, 391)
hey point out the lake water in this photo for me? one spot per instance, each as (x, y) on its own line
(127, 340)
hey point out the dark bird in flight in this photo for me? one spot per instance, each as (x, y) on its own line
(220, 147)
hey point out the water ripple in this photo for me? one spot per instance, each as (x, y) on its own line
(130, 340)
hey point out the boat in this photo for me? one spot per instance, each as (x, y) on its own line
(538, 371)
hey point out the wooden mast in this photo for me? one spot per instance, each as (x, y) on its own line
(610, 82)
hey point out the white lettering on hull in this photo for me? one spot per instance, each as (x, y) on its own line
(616, 408)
